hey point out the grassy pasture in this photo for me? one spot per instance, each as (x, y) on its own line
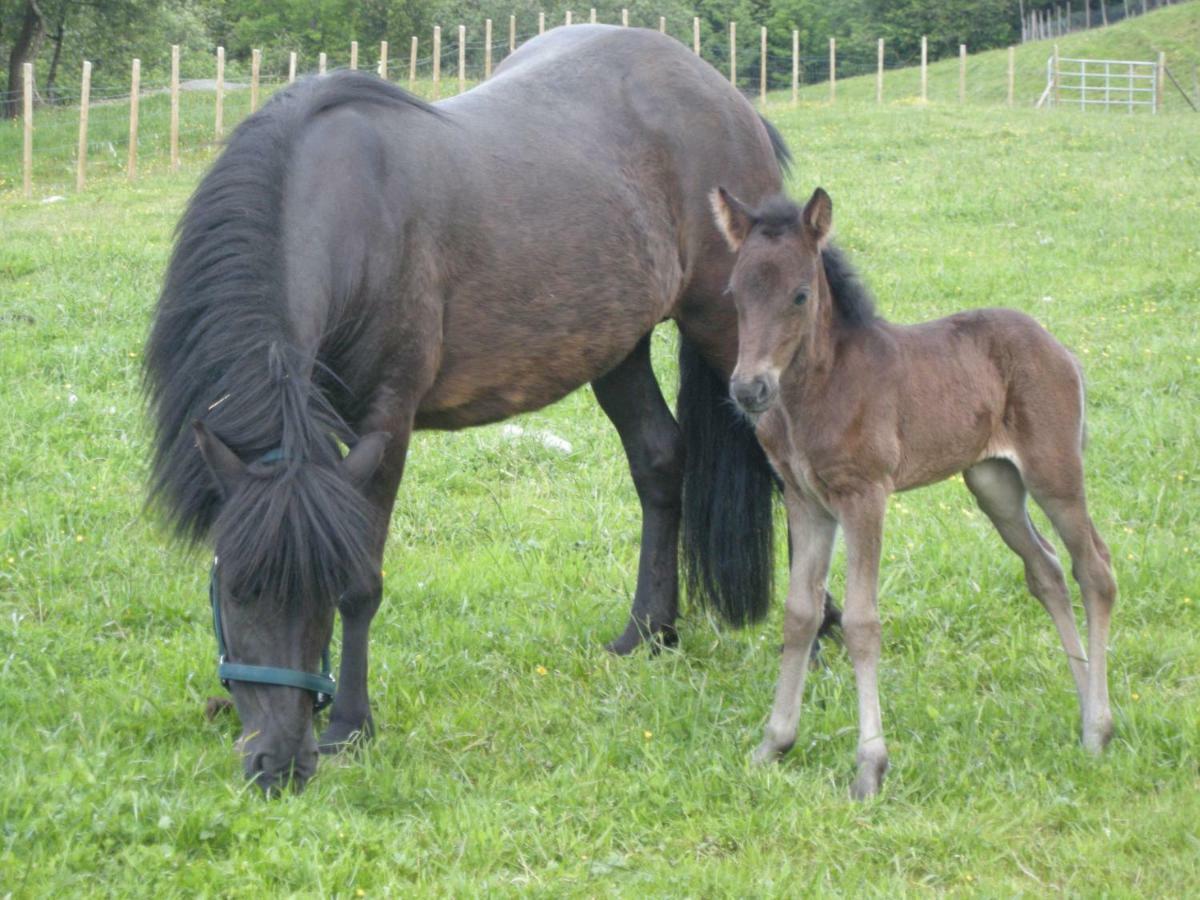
(514, 755)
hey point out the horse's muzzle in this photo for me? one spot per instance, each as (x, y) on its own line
(756, 395)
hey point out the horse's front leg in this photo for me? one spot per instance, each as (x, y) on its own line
(813, 531)
(631, 398)
(861, 517)
(350, 718)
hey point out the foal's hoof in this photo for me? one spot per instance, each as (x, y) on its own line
(342, 737)
(870, 778)
(658, 637)
(1096, 737)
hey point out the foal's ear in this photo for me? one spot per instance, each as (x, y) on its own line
(364, 458)
(818, 214)
(222, 462)
(734, 219)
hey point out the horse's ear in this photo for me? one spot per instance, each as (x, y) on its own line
(818, 214)
(222, 462)
(364, 457)
(734, 219)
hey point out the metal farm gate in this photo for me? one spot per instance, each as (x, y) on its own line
(1107, 83)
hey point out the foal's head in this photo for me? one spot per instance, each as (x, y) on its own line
(778, 286)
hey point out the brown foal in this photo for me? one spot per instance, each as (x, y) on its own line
(850, 409)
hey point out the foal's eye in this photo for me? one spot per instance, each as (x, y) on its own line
(801, 298)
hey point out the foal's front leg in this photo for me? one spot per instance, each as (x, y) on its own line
(813, 531)
(861, 516)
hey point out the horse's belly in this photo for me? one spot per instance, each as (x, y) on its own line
(523, 370)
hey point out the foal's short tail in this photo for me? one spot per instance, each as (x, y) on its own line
(728, 484)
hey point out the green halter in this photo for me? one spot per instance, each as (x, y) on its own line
(321, 685)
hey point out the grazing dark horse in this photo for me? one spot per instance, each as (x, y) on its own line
(359, 264)
(851, 408)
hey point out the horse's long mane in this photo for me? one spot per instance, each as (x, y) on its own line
(220, 350)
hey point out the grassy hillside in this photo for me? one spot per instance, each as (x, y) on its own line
(514, 755)
(1174, 30)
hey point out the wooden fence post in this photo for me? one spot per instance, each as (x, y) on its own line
(175, 104)
(291, 67)
(512, 33)
(962, 73)
(383, 60)
(567, 18)
(462, 58)
(879, 72)
(354, 55)
(662, 24)
(1012, 66)
(487, 49)
(592, 16)
(412, 62)
(219, 123)
(27, 113)
(541, 23)
(832, 69)
(321, 63)
(437, 61)
(795, 67)
(696, 35)
(625, 18)
(255, 69)
(85, 92)
(134, 89)
(924, 69)
(733, 53)
(762, 68)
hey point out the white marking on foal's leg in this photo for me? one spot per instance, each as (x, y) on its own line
(813, 533)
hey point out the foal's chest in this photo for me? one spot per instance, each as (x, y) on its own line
(776, 435)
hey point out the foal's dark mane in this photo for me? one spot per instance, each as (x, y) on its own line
(852, 300)
(221, 350)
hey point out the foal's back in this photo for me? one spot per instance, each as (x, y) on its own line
(986, 383)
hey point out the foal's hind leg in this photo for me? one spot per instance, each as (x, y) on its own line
(630, 396)
(1059, 492)
(1000, 492)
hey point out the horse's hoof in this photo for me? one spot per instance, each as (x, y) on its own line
(341, 737)
(767, 753)
(663, 637)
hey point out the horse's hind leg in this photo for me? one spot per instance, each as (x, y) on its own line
(1059, 491)
(1000, 492)
(631, 398)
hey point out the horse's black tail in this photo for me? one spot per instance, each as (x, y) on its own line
(727, 542)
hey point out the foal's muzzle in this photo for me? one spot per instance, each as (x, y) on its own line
(754, 395)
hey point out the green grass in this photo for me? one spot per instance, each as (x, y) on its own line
(629, 776)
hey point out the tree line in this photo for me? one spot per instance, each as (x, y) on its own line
(57, 35)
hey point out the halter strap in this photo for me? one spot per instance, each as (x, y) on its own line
(322, 684)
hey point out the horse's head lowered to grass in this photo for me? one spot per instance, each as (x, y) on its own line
(290, 536)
